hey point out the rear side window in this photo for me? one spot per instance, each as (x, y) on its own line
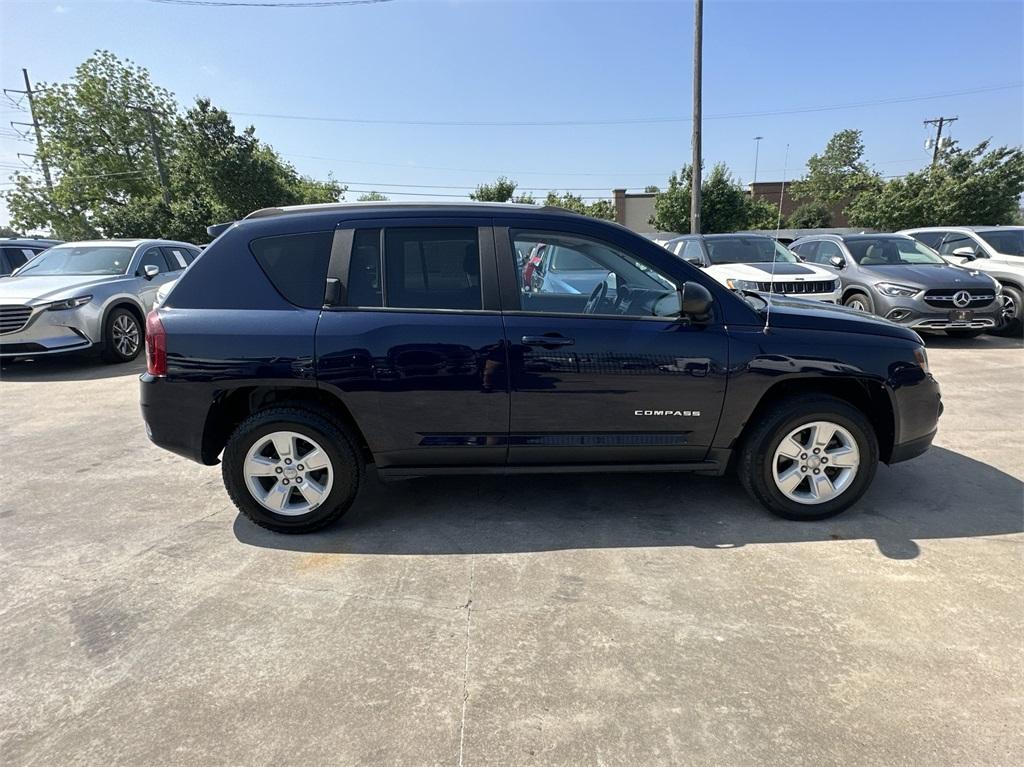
(432, 268)
(296, 264)
(364, 285)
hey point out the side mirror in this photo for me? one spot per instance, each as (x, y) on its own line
(965, 252)
(149, 271)
(696, 261)
(837, 261)
(696, 301)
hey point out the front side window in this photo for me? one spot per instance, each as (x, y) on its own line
(585, 276)
(827, 250)
(955, 241)
(891, 251)
(80, 260)
(1007, 241)
(152, 257)
(692, 252)
(432, 268)
(747, 250)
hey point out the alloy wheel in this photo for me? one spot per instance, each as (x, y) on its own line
(125, 335)
(288, 473)
(815, 462)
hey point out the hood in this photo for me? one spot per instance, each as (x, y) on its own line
(816, 315)
(30, 289)
(931, 275)
(763, 272)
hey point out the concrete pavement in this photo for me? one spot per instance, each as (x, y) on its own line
(622, 620)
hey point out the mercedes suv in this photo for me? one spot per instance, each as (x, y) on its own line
(306, 343)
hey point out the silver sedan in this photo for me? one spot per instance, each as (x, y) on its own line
(84, 295)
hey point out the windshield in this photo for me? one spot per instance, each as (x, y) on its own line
(747, 250)
(85, 259)
(891, 251)
(1008, 241)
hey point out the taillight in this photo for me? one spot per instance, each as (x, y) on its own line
(156, 345)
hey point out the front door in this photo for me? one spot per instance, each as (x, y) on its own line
(599, 373)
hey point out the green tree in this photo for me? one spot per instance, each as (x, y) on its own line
(810, 215)
(501, 190)
(372, 197)
(96, 137)
(603, 209)
(6, 231)
(762, 214)
(966, 186)
(651, 189)
(725, 206)
(838, 173)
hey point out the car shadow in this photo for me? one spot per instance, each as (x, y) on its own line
(936, 341)
(940, 495)
(67, 367)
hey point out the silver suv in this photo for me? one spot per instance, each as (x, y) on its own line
(896, 277)
(83, 295)
(995, 250)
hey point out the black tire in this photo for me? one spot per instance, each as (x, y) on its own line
(345, 461)
(1015, 327)
(113, 329)
(755, 460)
(965, 333)
(864, 298)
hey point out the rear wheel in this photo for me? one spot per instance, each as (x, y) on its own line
(122, 336)
(809, 458)
(859, 301)
(1011, 321)
(291, 470)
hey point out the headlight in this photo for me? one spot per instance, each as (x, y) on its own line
(740, 284)
(895, 289)
(921, 357)
(68, 303)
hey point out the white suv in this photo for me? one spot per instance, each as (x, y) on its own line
(756, 262)
(996, 250)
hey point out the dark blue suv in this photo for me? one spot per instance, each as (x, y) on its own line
(308, 342)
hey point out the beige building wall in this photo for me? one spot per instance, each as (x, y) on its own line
(634, 211)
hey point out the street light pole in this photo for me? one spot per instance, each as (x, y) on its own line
(757, 150)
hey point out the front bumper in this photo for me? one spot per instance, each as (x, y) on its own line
(47, 332)
(916, 313)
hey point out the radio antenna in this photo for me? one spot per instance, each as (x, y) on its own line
(778, 227)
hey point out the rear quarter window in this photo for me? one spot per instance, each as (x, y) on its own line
(296, 264)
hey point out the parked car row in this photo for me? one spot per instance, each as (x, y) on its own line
(926, 279)
(87, 295)
(16, 251)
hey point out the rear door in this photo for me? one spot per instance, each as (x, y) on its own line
(414, 341)
(597, 377)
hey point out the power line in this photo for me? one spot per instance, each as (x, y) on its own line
(623, 121)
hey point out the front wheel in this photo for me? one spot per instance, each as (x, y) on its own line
(122, 336)
(860, 302)
(291, 470)
(809, 458)
(1011, 313)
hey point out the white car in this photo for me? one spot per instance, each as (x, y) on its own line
(756, 262)
(998, 251)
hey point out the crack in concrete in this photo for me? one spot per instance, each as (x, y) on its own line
(465, 670)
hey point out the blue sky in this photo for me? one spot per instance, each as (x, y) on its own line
(482, 61)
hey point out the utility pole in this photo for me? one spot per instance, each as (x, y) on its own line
(40, 153)
(938, 122)
(698, 34)
(158, 153)
(757, 150)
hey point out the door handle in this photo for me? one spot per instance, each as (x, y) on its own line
(551, 340)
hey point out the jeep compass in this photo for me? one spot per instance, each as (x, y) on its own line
(306, 343)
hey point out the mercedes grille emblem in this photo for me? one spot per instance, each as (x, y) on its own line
(961, 299)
